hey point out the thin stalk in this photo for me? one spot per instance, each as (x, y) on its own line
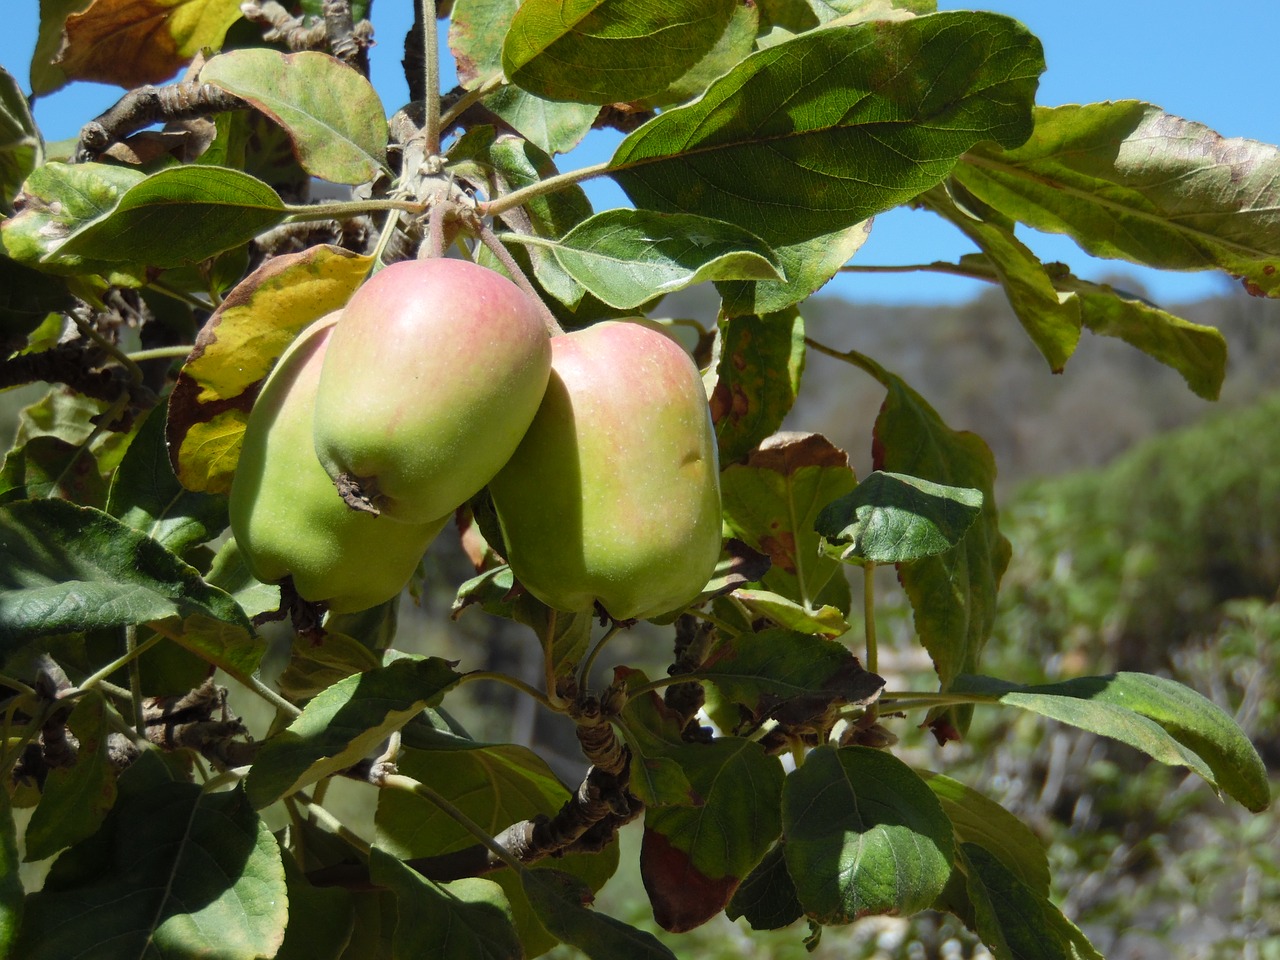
(161, 353)
(938, 266)
(10, 757)
(584, 674)
(516, 198)
(304, 213)
(181, 296)
(869, 612)
(398, 781)
(135, 678)
(909, 701)
(431, 78)
(854, 357)
(434, 247)
(384, 239)
(87, 330)
(517, 683)
(470, 98)
(124, 660)
(333, 824)
(503, 255)
(224, 778)
(715, 621)
(16, 685)
(548, 663)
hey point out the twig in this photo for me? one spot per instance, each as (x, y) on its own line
(348, 41)
(149, 104)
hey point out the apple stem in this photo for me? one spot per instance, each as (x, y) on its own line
(356, 493)
(434, 247)
(503, 255)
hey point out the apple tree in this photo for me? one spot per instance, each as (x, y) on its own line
(263, 406)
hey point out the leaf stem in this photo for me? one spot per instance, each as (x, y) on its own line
(869, 613)
(584, 672)
(129, 655)
(503, 255)
(303, 213)
(908, 700)
(854, 357)
(398, 781)
(333, 824)
(516, 682)
(938, 266)
(431, 78)
(161, 353)
(16, 685)
(516, 198)
(470, 98)
(135, 679)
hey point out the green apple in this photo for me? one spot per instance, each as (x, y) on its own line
(613, 496)
(430, 381)
(285, 514)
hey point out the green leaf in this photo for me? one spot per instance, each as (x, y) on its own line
(807, 265)
(46, 74)
(468, 919)
(767, 897)
(892, 518)
(790, 677)
(1197, 352)
(146, 495)
(628, 257)
(11, 891)
(1165, 719)
(229, 572)
(205, 862)
(953, 594)
(559, 901)
(317, 665)
(1016, 922)
(48, 466)
(1050, 315)
(331, 111)
(344, 724)
(75, 799)
(760, 363)
(979, 819)
(609, 51)
(779, 148)
(864, 835)
(735, 44)
(321, 919)
(826, 621)
(27, 297)
(236, 349)
(548, 124)
(179, 216)
(21, 149)
(59, 200)
(231, 646)
(71, 568)
(772, 500)
(1128, 181)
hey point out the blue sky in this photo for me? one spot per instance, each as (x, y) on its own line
(1216, 66)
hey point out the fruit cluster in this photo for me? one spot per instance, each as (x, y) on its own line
(438, 378)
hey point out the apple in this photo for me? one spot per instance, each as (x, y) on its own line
(613, 496)
(431, 379)
(285, 514)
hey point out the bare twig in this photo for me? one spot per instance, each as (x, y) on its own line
(149, 104)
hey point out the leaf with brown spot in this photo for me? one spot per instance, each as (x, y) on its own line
(236, 349)
(133, 42)
(757, 379)
(682, 896)
(772, 500)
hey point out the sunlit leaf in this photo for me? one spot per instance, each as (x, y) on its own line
(236, 349)
(1126, 180)
(132, 42)
(825, 621)
(46, 74)
(205, 862)
(1165, 719)
(344, 724)
(332, 113)
(560, 902)
(735, 43)
(778, 148)
(179, 216)
(628, 257)
(979, 819)
(892, 518)
(71, 568)
(807, 265)
(952, 594)
(864, 835)
(607, 51)
(772, 500)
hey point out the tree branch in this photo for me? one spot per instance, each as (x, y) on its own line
(146, 105)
